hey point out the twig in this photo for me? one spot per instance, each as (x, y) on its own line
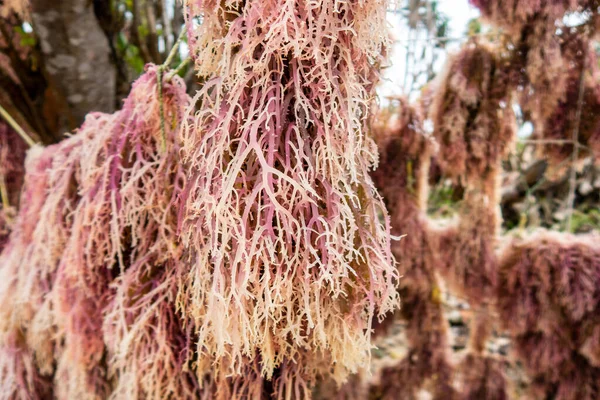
(5, 200)
(163, 132)
(177, 70)
(17, 127)
(556, 141)
(4, 193)
(160, 73)
(575, 155)
(546, 141)
(171, 56)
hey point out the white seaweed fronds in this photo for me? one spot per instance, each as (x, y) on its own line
(288, 250)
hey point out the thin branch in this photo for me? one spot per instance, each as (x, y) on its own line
(546, 141)
(7, 117)
(557, 141)
(160, 73)
(575, 155)
(163, 132)
(173, 52)
(4, 192)
(179, 68)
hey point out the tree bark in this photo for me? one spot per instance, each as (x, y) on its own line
(76, 56)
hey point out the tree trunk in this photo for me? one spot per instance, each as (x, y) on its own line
(76, 56)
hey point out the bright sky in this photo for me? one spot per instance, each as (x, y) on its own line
(459, 13)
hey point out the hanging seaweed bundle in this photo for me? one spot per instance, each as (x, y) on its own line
(19, 375)
(481, 378)
(553, 69)
(538, 67)
(549, 299)
(405, 152)
(544, 287)
(242, 256)
(474, 122)
(467, 257)
(574, 110)
(463, 254)
(512, 14)
(475, 127)
(289, 241)
(100, 204)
